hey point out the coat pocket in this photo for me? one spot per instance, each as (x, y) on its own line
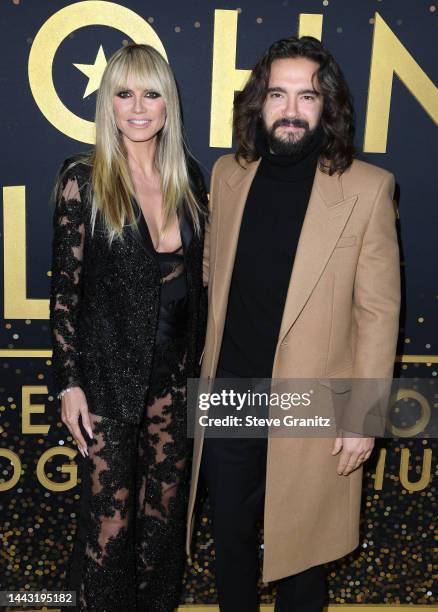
(346, 241)
(337, 385)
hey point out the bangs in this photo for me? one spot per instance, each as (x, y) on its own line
(142, 71)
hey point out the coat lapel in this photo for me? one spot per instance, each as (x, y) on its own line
(233, 196)
(186, 229)
(145, 237)
(326, 216)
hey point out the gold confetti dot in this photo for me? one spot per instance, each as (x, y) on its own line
(177, 29)
(197, 24)
(151, 19)
(28, 321)
(371, 20)
(49, 273)
(259, 19)
(325, 2)
(8, 326)
(432, 8)
(125, 42)
(420, 319)
(407, 340)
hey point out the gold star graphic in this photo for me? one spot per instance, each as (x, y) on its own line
(93, 72)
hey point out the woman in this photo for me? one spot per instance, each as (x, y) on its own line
(128, 317)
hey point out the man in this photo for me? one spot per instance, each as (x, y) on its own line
(302, 268)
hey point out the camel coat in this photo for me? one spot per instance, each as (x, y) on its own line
(340, 320)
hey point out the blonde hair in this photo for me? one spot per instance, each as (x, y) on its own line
(111, 183)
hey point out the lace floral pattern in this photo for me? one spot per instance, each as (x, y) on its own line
(69, 230)
(129, 548)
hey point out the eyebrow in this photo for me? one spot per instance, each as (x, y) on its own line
(301, 92)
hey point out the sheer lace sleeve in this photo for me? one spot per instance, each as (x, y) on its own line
(65, 291)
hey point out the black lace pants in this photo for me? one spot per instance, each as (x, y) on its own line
(129, 548)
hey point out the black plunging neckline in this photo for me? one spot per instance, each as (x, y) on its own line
(146, 234)
(185, 228)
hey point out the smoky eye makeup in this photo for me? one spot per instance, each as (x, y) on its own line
(126, 93)
(153, 94)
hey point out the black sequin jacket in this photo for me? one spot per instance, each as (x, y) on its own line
(104, 301)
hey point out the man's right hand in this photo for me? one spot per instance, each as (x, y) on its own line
(73, 405)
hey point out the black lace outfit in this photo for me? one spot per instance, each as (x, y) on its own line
(129, 548)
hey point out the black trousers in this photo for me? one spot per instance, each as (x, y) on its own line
(234, 471)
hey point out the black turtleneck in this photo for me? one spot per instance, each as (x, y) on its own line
(269, 233)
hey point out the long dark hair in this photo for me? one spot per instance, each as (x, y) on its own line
(337, 117)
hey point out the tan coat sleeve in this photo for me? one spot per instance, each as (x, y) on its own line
(376, 308)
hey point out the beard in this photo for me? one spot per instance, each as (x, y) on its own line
(289, 143)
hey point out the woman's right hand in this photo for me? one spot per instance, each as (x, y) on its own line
(73, 405)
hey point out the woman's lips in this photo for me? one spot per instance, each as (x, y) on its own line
(139, 123)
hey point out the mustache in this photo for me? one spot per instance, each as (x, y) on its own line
(299, 123)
